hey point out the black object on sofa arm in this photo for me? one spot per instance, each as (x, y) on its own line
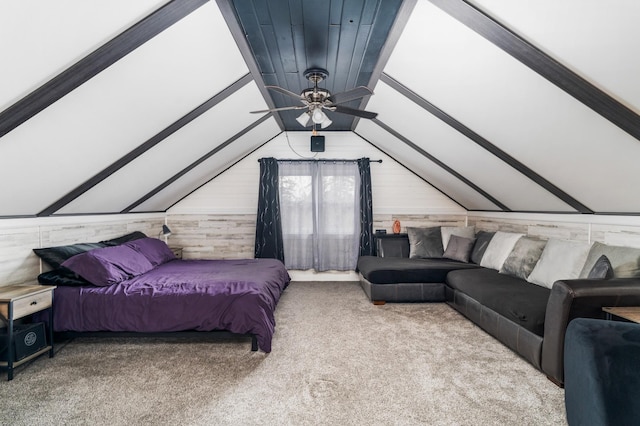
(571, 299)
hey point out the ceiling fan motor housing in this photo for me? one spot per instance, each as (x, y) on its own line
(316, 75)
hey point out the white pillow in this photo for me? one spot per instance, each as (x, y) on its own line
(460, 231)
(560, 260)
(499, 249)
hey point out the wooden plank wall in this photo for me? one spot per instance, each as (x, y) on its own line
(18, 238)
(385, 221)
(233, 236)
(213, 236)
(608, 230)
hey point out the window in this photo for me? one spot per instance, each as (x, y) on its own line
(319, 204)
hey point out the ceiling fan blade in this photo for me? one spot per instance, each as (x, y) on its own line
(284, 92)
(353, 111)
(350, 95)
(262, 111)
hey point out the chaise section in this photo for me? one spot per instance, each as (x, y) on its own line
(396, 279)
(508, 308)
(513, 298)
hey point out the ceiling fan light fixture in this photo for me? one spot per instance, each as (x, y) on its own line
(304, 119)
(326, 123)
(318, 116)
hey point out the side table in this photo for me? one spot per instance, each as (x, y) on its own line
(392, 245)
(17, 301)
(629, 313)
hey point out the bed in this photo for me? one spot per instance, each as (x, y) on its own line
(136, 285)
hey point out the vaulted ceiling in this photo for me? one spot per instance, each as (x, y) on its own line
(500, 104)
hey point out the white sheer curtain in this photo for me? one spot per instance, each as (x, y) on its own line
(319, 203)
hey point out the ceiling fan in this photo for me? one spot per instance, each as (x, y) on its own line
(316, 99)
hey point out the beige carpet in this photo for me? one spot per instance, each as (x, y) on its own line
(336, 360)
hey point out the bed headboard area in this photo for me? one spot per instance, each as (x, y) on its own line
(18, 238)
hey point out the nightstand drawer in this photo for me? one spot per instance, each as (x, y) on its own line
(31, 304)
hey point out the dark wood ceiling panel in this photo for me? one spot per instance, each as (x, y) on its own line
(287, 37)
(253, 33)
(283, 38)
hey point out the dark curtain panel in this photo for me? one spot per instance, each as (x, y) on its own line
(367, 243)
(268, 223)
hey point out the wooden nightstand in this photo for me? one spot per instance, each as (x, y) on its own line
(17, 301)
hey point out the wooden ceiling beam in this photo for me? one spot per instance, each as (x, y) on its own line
(196, 163)
(95, 62)
(439, 163)
(475, 137)
(543, 64)
(146, 146)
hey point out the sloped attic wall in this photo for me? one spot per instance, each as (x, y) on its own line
(139, 131)
(503, 136)
(459, 109)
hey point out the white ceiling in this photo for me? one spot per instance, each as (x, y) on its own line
(539, 136)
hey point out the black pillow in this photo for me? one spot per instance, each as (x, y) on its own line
(136, 235)
(62, 277)
(482, 241)
(602, 269)
(55, 256)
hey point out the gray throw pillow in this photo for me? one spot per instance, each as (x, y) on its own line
(625, 260)
(425, 242)
(482, 241)
(560, 260)
(499, 249)
(460, 231)
(459, 248)
(602, 270)
(523, 257)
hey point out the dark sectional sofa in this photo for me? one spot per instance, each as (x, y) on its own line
(529, 319)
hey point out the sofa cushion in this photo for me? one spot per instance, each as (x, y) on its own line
(392, 270)
(459, 248)
(560, 260)
(498, 249)
(625, 260)
(482, 241)
(425, 242)
(515, 299)
(460, 231)
(523, 257)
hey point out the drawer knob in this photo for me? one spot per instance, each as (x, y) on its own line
(34, 303)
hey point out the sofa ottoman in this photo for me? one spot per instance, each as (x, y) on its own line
(601, 372)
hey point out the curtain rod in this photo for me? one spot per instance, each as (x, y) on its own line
(324, 159)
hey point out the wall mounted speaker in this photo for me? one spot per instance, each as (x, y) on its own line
(317, 143)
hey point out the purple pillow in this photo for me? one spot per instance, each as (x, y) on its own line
(156, 251)
(109, 265)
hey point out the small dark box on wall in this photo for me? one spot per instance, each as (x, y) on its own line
(27, 338)
(317, 143)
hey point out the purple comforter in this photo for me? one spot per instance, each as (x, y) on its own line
(234, 295)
